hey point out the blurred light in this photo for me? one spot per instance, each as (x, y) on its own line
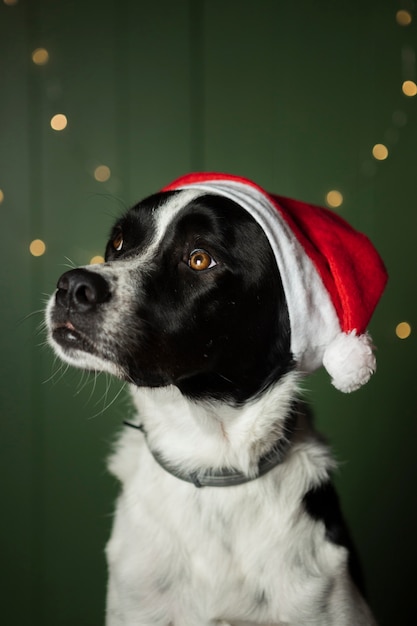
(10, 3)
(403, 330)
(96, 259)
(1, 196)
(37, 247)
(403, 17)
(380, 152)
(40, 56)
(102, 173)
(334, 198)
(59, 121)
(409, 88)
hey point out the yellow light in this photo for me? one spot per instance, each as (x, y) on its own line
(403, 17)
(380, 152)
(59, 121)
(40, 56)
(96, 259)
(409, 88)
(403, 330)
(37, 247)
(334, 198)
(102, 173)
(1, 196)
(10, 3)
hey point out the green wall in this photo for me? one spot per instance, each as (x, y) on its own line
(292, 94)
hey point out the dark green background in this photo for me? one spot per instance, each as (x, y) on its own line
(291, 94)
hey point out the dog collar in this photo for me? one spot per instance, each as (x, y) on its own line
(225, 477)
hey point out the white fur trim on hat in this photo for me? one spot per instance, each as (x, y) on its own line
(349, 360)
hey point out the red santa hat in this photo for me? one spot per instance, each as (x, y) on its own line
(332, 276)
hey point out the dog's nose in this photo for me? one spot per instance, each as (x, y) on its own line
(82, 290)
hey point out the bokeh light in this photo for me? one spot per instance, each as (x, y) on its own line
(409, 88)
(380, 152)
(102, 173)
(403, 330)
(37, 247)
(96, 259)
(334, 198)
(40, 56)
(403, 17)
(59, 121)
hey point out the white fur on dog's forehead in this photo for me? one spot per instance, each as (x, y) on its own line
(168, 211)
(162, 215)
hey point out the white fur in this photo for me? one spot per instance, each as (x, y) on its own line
(248, 554)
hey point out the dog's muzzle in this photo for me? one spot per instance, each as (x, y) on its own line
(78, 300)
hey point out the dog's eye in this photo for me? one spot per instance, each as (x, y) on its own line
(200, 260)
(117, 242)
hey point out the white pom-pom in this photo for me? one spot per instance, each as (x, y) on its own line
(350, 361)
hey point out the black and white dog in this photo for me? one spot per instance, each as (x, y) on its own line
(227, 514)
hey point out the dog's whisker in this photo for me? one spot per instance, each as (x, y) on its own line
(223, 377)
(29, 316)
(59, 372)
(42, 327)
(69, 263)
(83, 382)
(121, 204)
(107, 404)
(94, 384)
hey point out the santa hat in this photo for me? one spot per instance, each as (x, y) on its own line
(332, 276)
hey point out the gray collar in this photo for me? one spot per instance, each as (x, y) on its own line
(225, 477)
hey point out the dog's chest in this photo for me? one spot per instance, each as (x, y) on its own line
(219, 552)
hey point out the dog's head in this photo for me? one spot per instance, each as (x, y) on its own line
(219, 288)
(189, 295)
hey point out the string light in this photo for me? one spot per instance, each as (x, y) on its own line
(380, 152)
(334, 199)
(37, 247)
(59, 121)
(96, 259)
(40, 56)
(102, 173)
(403, 17)
(403, 330)
(1, 196)
(409, 88)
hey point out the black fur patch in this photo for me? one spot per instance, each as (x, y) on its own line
(322, 504)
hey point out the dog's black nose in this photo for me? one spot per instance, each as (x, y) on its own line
(82, 290)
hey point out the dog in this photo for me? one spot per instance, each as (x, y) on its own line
(227, 513)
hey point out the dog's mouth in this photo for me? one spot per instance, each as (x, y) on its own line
(69, 337)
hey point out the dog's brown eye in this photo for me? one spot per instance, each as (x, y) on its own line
(118, 241)
(200, 260)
